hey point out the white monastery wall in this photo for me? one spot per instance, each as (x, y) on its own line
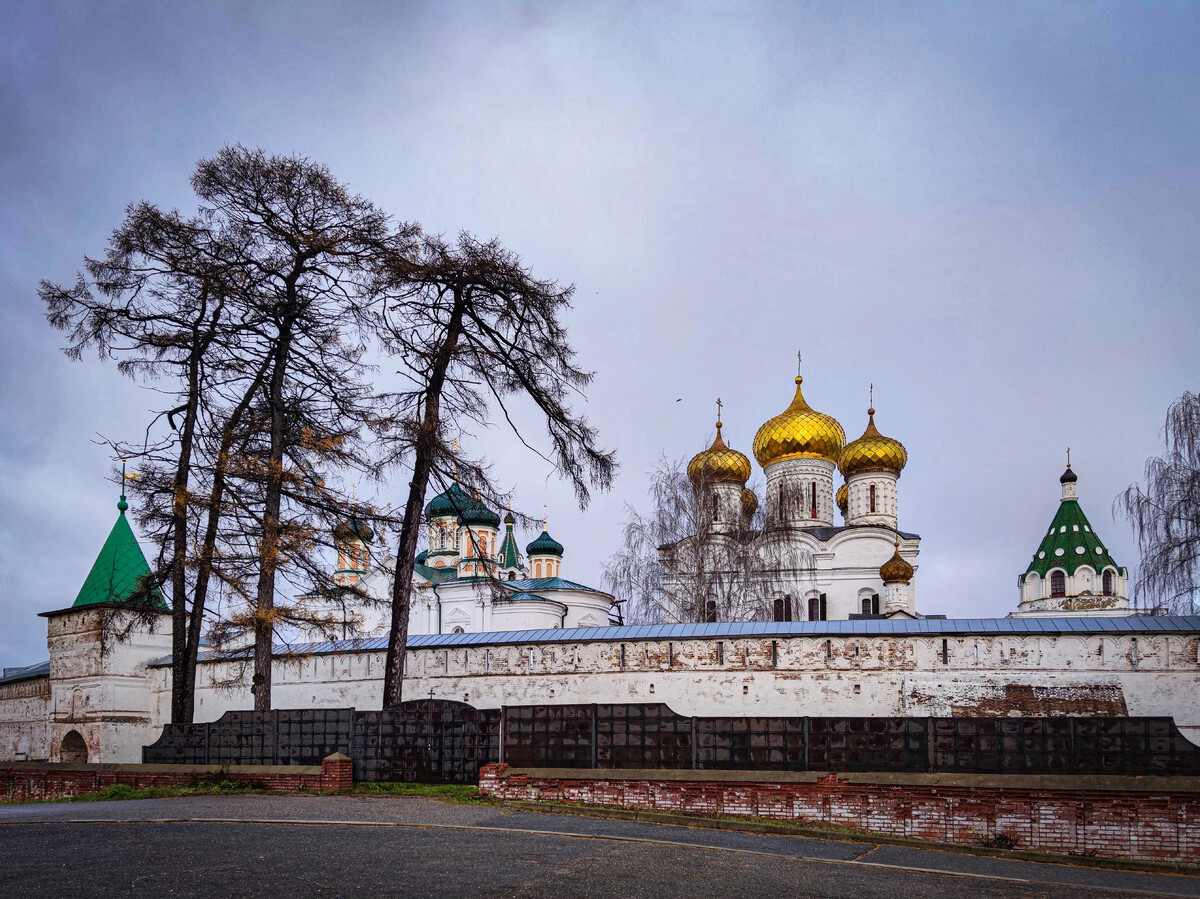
(859, 676)
(24, 720)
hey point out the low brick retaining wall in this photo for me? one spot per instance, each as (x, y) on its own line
(20, 781)
(1143, 818)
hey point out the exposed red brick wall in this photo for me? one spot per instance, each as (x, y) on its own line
(41, 780)
(1158, 826)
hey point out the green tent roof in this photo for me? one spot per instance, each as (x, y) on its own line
(115, 573)
(1071, 543)
(509, 556)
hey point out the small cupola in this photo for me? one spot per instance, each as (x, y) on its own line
(545, 555)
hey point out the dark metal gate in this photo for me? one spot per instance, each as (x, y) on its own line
(425, 741)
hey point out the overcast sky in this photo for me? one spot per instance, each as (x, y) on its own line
(990, 211)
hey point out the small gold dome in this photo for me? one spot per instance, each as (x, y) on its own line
(895, 570)
(749, 502)
(799, 431)
(718, 463)
(843, 498)
(873, 452)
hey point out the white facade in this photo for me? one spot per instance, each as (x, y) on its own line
(799, 565)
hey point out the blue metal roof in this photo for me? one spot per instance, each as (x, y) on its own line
(29, 672)
(1133, 624)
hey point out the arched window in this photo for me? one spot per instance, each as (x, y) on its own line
(710, 610)
(813, 507)
(814, 609)
(1107, 583)
(871, 492)
(716, 508)
(74, 749)
(779, 610)
(1058, 583)
(866, 605)
(458, 630)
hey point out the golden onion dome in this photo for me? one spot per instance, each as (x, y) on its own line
(749, 502)
(896, 570)
(873, 452)
(843, 499)
(799, 431)
(718, 463)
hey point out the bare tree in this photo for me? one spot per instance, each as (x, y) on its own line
(248, 317)
(311, 251)
(473, 331)
(1165, 515)
(677, 563)
(160, 301)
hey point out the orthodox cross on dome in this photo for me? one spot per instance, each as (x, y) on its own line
(1068, 457)
(122, 503)
(798, 360)
(545, 517)
(718, 413)
(871, 401)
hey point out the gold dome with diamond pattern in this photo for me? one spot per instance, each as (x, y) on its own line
(842, 498)
(799, 431)
(749, 502)
(873, 452)
(718, 463)
(896, 570)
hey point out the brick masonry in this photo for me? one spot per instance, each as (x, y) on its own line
(23, 781)
(1111, 817)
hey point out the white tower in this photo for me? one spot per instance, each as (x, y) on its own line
(872, 465)
(718, 477)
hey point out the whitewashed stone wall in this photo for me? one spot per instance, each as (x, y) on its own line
(25, 720)
(871, 676)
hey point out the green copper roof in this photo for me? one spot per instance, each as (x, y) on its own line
(544, 545)
(1070, 543)
(453, 501)
(509, 557)
(116, 572)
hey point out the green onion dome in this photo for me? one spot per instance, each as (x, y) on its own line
(479, 515)
(353, 529)
(452, 502)
(544, 545)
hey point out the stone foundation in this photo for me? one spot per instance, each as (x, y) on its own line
(1111, 817)
(25, 781)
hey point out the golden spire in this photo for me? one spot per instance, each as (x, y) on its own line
(454, 443)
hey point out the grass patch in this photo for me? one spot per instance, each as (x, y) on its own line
(447, 792)
(116, 792)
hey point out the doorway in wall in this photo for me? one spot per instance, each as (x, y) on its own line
(74, 749)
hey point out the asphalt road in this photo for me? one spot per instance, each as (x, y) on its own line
(217, 846)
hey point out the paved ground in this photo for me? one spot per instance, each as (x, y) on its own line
(385, 846)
